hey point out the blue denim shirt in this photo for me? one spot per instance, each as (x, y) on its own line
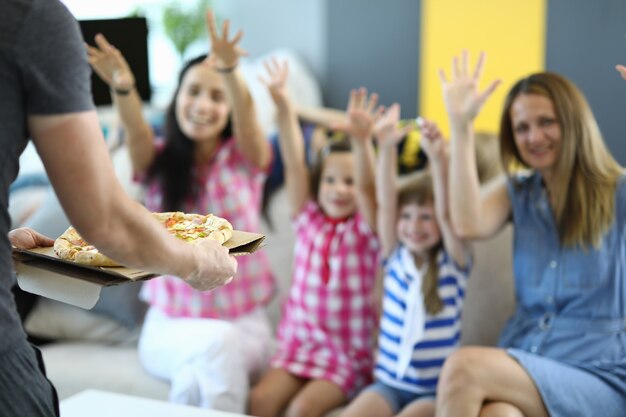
(571, 303)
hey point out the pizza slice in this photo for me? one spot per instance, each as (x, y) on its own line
(192, 228)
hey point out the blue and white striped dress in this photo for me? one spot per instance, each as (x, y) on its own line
(441, 334)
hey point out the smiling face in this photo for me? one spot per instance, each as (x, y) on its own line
(202, 109)
(417, 227)
(536, 131)
(336, 194)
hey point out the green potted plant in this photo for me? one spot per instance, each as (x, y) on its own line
(184, 25)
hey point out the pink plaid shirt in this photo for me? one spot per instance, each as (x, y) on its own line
(231, 187)
(327, 327)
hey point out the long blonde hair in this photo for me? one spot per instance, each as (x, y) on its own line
(419, 190)
(586, 172)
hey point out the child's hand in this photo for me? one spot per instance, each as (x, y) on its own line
(362, 113)
(461, 96)
(110, 65)
(386, 129)
(225, 53)
(622, 70)
(433, 143)
(276, 83)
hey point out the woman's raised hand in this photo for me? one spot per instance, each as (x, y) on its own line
(225, 53)
(276, 81)
(461, 96)
(387, 130)
(110, 65)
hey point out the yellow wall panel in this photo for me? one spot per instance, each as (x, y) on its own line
(511, 32)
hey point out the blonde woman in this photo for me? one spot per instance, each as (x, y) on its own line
(562, 352)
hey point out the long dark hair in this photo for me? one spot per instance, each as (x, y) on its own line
(174, 165)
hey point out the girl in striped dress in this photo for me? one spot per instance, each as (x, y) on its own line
(426, 270)
(325, 336)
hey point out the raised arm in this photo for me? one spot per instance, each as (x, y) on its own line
(109, 63)
(434, 146)
(74, 153)
(475, 213)
(622, 70)
(225, 55)
(290, 135)
(388, 135)
(359, 125)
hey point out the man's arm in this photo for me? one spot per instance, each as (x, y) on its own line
(74, 153)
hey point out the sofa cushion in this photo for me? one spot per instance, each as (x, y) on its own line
(50, 319)
(490, 298)
(75, 366)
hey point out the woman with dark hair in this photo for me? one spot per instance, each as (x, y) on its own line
(214, 158)
(563, 351)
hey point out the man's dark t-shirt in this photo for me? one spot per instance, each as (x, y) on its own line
(43, 71)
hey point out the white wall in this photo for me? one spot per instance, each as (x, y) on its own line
(267, 25)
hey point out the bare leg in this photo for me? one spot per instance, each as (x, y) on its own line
(271, 395)
(316, 399)
(420, 408)
(473, 375)
(500, 409)
(368, 404)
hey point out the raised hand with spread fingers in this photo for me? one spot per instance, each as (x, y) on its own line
(276, 81)
(109, 63)
(361, 115)
(225, 52)
(462, 98)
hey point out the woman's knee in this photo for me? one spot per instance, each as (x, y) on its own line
(500, 409)
(461, 371)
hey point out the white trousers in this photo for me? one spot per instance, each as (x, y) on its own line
(209, 363)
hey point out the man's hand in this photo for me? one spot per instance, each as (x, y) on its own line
(214, 267)
(26, 238)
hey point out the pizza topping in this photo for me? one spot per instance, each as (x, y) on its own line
(191, 228)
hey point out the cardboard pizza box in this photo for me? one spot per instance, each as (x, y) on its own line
(40, 271)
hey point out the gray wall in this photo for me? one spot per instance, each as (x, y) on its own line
(374, 43)
(269, 24)
(585, 41)
(346, 43)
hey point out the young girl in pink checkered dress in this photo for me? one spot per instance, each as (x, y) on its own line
(214, 159)
(325, 336)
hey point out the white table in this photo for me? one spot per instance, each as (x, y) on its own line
(94, 403)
